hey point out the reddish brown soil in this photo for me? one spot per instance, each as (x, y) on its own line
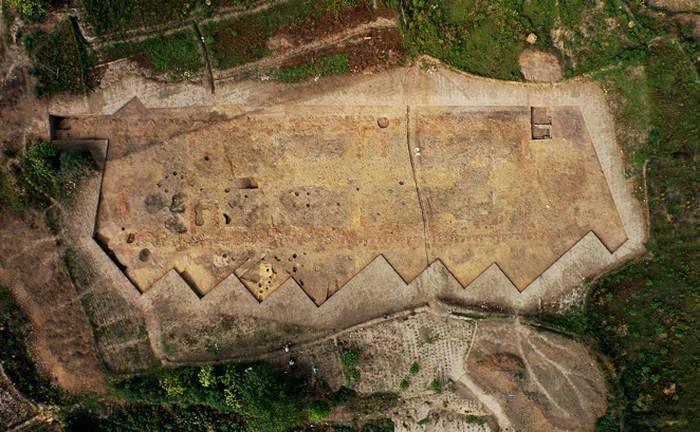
(382, 51)
(332, 22)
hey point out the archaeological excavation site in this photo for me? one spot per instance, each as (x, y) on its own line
(270, 216)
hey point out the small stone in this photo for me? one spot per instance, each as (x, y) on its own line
(154, 202)
(199, 214)
(383, 122)
(174, 224)
(178, 203)
(144, 255)
(130, 238)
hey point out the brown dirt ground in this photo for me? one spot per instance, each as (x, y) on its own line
(318, 207)
(332, 22)
(540, 66)
(376, 51)
(32, 269)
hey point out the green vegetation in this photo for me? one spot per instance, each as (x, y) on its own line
(319, 410)
(404, 384)
(43, 174)
(243, 40)
(263, 400)
(645, 316)
(177, 55)
(15, 332)
(436, 386)
(61, 61)
(414, 369)
(149, 418)
(486, 37)
(117, 16)
(31, 10)
(331, 65)
(348, 359)
(379, 425)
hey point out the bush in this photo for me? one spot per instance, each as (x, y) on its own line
(319, 410)
(45, 173)
(149, 418)
(31, 10)
(436, 386)
(265, 401)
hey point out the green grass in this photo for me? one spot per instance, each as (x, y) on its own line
(436, 386)
(149, 418)
(486, 37)
(177, 55)
(645, 317)
(45, 174)
(378, 425)
(324, 66)
(244, 40)
(117, 16)
(61, 61)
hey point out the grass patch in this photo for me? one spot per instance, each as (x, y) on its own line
(379, 425)
(263, 400)
(331, 65)
(45, 174)
(177, 55)
(244, 40)
(149, 418)
(61, 61)
(436, 386)
(117, 16)
(645, 317)
(486, 37)
(348, 361)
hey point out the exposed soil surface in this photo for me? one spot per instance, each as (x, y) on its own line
(332, 22)
(34, 273)
(375, 51)
(540, 66)
(493, 373)
(318, 207)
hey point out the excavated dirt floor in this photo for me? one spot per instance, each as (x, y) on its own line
(317, 192)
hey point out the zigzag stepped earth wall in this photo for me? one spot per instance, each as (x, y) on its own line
(377, 289)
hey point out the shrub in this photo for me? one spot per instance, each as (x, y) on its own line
(45, 173)
(414, 369)
(31, 10)
(319, 410)
(436, 386)
(349, 358)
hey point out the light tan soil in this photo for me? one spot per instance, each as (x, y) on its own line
(500, 371)
(317, 193)
(540, 66)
